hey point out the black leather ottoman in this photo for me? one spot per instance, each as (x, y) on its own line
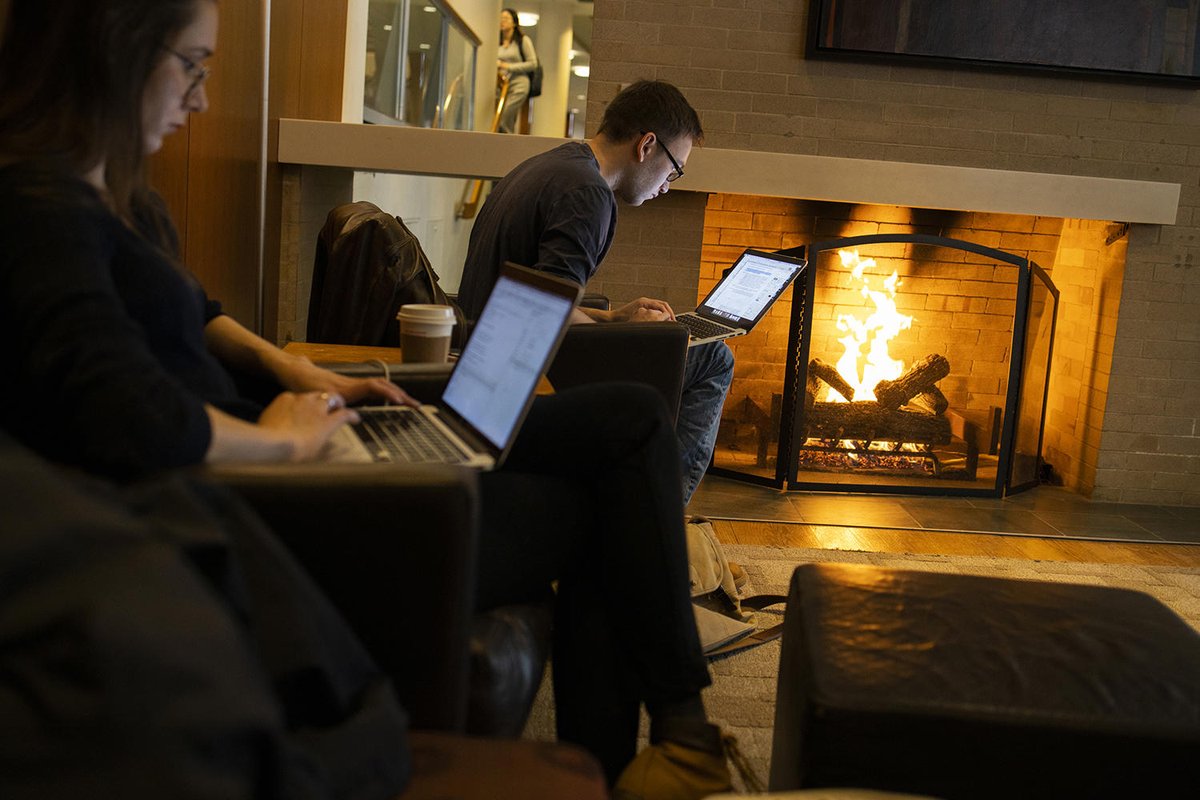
(966, 687)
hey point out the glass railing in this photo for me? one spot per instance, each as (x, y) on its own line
(420, 65)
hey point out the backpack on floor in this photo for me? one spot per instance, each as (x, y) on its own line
(724, 617)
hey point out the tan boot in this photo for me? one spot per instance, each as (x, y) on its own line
(688, 765)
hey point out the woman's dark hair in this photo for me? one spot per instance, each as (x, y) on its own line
(517, 34)
(72, 77)
(650, 106)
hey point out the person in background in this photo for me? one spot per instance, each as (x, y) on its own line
(557, 212)
(121, 366)
(515, 60)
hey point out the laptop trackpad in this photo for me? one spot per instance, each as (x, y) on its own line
(344, 447)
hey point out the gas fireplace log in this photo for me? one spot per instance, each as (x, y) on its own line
(829, 374)
(866, 420)
(931, 400)
(920, 377)
(811, 387)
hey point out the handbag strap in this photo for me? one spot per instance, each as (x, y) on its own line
(521, 49)
(760, 601)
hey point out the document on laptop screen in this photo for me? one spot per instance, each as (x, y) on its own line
(750, 287)
(503, 360)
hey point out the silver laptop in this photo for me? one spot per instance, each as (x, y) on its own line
(490, 388)
(741, 298)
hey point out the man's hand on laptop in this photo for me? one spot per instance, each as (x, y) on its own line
(644, 309)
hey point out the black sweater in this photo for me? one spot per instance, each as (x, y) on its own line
(553, 213)
(104, 334)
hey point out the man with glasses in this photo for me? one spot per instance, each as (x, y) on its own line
(557, 212)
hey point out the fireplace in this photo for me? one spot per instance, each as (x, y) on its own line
(948, 396)
(940, 326)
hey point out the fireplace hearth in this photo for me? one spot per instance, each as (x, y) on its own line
(914, 363)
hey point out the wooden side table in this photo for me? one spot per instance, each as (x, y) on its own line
(356, 354)
(343, 353)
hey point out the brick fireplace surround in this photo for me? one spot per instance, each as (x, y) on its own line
(966, 317)
(1123, 422)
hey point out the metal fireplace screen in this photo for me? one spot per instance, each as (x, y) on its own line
(915, 364)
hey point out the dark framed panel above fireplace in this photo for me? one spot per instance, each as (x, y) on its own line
(1156, 40)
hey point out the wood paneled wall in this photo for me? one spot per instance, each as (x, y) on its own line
(210, 173)
(308, 45)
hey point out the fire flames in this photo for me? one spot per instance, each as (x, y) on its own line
(903, 430)
(865, 360)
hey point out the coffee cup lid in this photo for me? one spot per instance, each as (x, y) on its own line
(426, 312)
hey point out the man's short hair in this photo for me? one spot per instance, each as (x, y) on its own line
(648, 106)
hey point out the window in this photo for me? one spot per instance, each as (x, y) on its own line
(420, 67)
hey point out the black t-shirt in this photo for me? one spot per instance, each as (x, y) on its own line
(107, 366)
(554, 213)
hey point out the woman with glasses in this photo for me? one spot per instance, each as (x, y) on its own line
(111, 302)
(121, 366)
(213, 666)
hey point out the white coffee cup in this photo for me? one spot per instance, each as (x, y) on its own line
(425, 332)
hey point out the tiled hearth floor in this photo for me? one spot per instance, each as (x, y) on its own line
(1044, 511)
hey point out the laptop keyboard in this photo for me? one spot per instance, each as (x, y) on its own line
(404, 434)
(700, 328)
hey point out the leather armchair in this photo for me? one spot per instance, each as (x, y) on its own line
(477, 673)
(394, 548)
(642, 352)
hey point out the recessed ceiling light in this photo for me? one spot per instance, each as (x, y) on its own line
(527, 19)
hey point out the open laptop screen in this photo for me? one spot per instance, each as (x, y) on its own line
(752, 284)
(491, 385)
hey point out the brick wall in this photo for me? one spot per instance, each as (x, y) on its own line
(741, 63)
(656, 252)
(308, 195)
(1088, 271)
(731, 224)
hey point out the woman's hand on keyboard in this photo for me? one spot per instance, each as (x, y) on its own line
(301, 375)
(306, 420)
(378, 390)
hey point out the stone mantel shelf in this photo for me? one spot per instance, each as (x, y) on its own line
(472, 154)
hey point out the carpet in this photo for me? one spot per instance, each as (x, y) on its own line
(742, 697)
